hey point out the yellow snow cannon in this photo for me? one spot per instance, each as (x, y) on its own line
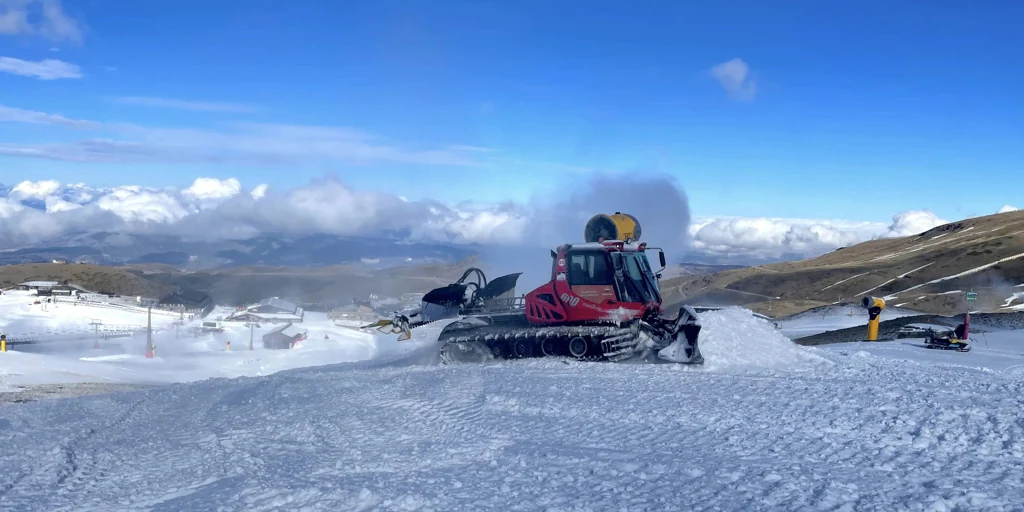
(620, 226)
(874, 305)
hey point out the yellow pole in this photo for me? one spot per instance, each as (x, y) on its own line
(3, 343)
(874, 306)
(873, 329)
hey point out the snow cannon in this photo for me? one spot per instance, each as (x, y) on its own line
(874, 305)
(619, 226)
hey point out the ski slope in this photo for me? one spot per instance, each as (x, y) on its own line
(765, 425)
(68, 350)
(68, 318)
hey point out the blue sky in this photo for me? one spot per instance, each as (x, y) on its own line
(847, 111)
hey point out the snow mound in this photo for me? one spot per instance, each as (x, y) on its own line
(734, 337)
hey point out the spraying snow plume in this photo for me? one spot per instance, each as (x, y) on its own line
(659, 204)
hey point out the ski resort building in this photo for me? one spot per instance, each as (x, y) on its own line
(271, 310)
(38, 285)
(189, 302)
(354, 313)
(284, 337)
(48, 288)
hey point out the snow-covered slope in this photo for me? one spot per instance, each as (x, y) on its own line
(67, 318)
(182, 357)
(829, 318)
(767, 426)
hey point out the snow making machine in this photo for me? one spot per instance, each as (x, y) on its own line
(955, 339)
(603, 302)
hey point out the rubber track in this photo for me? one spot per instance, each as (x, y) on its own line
(615, 343)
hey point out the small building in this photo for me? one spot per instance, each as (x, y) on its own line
(60, 261)
(211, 326)
(354, 314)
(284, 337)
(271, 310)
(38, 285)
(192, 302)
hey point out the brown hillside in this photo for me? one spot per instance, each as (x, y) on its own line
(985, 254)
(332, 285)
(96, 278)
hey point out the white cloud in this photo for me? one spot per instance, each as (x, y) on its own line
(259, 191)
(1007, 208)
(212, 188)
(17, 115)
(8, 208)
(913, 222)
(136, 204)
(48, 69)
(764, 238)
(761, 238)
(201, 106)
(44, 18)
(34, 189)
(734, 77)
(240, 143)
(55, 204)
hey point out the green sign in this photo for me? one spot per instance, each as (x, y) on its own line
(972, 296)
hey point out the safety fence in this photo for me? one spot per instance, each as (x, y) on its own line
(113, 306)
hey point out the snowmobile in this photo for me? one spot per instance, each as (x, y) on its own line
(603, 302)
(950, 340)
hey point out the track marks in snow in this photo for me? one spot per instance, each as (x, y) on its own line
(854, 432)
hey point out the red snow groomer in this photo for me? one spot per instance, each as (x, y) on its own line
(603, 302)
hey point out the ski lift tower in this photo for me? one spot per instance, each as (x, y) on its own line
(251, 326)
(149, 332)
(96, 323)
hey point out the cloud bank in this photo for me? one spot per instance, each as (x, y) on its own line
(222, 208)
(768, 239)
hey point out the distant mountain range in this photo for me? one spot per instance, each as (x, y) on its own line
(266, 250)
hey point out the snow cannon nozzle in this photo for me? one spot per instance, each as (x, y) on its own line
(870, 302)
(618, 226)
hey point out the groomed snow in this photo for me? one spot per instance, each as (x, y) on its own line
(765, 425)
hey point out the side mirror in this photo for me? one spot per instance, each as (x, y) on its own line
(661, 258)
(554, 255)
